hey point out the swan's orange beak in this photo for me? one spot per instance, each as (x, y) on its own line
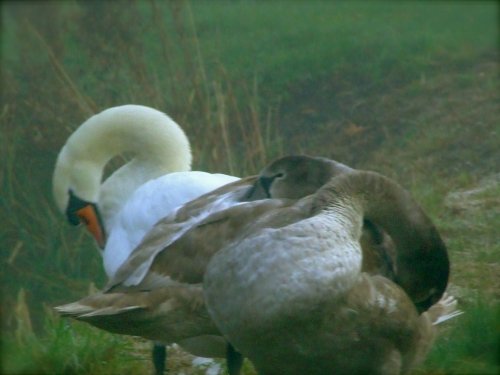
(90, 217)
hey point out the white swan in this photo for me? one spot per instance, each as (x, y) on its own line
(121, 210)
(138, 194)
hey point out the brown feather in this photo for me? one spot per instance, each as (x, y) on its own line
(166, 303)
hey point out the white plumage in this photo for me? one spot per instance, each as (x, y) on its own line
(151, 202)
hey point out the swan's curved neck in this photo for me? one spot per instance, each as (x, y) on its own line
(157, 145)
(422, 260)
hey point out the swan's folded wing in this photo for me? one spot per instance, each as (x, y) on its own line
(178, 252)
(159, 314)
(186, 260)
(169, 229)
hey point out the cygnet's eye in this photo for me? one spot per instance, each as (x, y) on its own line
(266, 182)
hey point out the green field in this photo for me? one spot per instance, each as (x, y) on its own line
(407, 89)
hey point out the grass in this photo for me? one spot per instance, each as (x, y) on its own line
(288, 44)
(409, 90)
(68, 348)
(469, 346)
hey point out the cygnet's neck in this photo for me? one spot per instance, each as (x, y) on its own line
(422, 260)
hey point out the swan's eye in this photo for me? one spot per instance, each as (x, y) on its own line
(279, 175)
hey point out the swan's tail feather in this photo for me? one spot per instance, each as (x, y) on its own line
(98, 305)
(445, 309)
(114, 312)
(73, 309)
(81, 312)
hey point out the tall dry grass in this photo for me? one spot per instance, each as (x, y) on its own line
(82, 66)
(73, 67)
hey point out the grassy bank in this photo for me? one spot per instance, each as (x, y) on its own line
(410, 90)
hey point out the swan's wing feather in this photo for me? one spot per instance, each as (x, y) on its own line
(151, 202)
(168, 230)
(157, 315)
(186, 260)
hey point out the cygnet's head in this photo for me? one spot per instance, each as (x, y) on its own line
(295, 176)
